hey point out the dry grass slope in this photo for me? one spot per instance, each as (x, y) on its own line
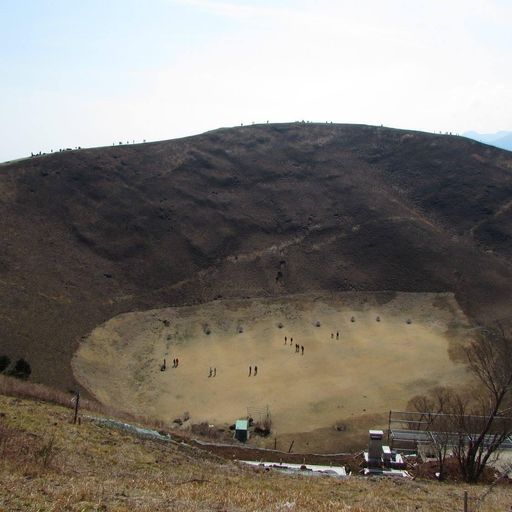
(48, 464)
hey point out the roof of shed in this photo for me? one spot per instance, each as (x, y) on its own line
(242, 425)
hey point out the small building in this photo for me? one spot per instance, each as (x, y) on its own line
(242, 430)
(375, 449)
(380, 459)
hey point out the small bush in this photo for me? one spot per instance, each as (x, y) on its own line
(46, 453)
(264, 428)
(267, 422)
(5, 361)
(21, 370)
(205, 430)
(261, 431)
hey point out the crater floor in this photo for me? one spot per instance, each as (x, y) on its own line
(391, 346)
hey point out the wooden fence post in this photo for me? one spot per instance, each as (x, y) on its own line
(77, 402)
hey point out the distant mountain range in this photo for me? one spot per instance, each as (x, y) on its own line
(501, 139)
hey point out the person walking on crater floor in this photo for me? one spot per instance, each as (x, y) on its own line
(210, 374)
(255, 371)
(302, 348)
(215, 372)
(250, 370)
(332, 335)
(177, 362)
(337, 335)
(285, 339)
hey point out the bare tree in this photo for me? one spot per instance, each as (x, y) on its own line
(483, 424)
(472, 426)
(436, 421)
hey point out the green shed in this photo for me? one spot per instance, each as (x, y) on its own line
(242, 430)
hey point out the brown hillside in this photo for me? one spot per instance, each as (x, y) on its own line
(245, 212)
(48, 464)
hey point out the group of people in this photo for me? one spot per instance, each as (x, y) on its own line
(298, 348)
(252, 371)
(175, 363)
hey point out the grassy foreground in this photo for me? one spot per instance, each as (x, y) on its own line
(48, 464)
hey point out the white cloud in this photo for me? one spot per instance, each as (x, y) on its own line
(437, 65)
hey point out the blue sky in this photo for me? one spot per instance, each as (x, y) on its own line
(87, 73)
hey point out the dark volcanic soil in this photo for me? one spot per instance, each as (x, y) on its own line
(250, 211)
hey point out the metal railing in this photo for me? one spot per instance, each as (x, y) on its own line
(411, 429)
